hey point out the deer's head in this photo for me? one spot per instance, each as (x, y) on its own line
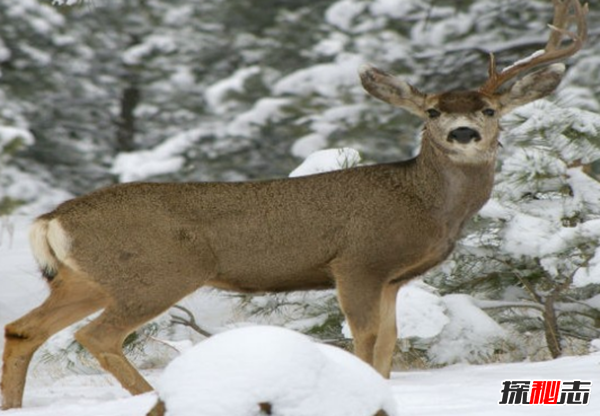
(465, 124)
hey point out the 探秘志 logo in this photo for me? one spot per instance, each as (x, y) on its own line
(556, 392)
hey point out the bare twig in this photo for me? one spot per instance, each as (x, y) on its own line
(190, 321)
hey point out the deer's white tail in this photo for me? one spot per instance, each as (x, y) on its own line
(50, 245)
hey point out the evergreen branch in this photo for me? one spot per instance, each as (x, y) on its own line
(578, 308)
(498, 304)
(529, 287)
(579, 336)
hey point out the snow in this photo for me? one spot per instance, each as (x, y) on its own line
(590, 274)
(5, 53)
(216, 94)
(538, 233)
(475, 390)
(578, 97)
(183, 78)
(323, 79)
(18, 272)
(232, 372)
(455, 326)
(330, 46)
(137, 53)
(443, 32)
(264, 111)
(526, 235)
(537, 237)
(67, 2)
(327, 160)
(533, 170)
(342, 13)
(322, 126)
(392, 8)
(470, 335)
(309, 144)
(30, 189)
(420, 312)
(525, 60)
(9, 134)
(494, 209)
(163, 159)
(460, 390)
(543, 118)
(585, 189)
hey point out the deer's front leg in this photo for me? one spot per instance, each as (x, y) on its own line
(360, 298)
(388, 332)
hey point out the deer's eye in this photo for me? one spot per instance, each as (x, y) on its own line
(433, 113)
(489, 112)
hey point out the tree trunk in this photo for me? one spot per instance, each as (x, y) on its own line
(130, 99)
(553, 338)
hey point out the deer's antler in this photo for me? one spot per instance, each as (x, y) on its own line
(565, 13)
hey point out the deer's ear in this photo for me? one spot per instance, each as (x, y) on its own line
(392, 90)
(532, 87)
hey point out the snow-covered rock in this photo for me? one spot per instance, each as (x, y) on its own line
(269, 370)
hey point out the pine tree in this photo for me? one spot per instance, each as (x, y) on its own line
(24, 55)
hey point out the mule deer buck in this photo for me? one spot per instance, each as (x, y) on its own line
(134, 250)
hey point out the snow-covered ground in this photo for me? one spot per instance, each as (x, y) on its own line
(455, 390)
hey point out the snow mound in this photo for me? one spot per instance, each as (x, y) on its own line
(270, 370)
(326, 161)
(471, 335)
(420, 313)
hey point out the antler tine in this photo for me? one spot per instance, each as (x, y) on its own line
(552, 51)
(560, 20)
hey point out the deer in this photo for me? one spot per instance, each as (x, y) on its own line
(133, 250)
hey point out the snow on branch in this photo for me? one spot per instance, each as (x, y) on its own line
(66, 2)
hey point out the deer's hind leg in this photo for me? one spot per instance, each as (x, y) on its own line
(128, 310)
(141, 289)
(72, 298)
(104, 337)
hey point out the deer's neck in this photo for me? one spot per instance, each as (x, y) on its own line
(458, 190)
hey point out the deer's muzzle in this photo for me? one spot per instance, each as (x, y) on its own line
(464, 135)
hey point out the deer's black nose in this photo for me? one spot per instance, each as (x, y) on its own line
(464, 135)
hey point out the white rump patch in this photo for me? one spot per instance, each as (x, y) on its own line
(40, 248)
(50, 244)
(59, 240)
